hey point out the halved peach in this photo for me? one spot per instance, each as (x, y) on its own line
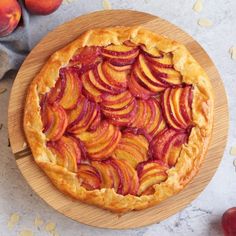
(54, 120)
(150, 173)
(82, 117)
(166, 146)
(67, 152)
(89, 177)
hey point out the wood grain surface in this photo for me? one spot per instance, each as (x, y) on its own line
(81, 212)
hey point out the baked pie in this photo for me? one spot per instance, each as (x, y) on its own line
(120, 118)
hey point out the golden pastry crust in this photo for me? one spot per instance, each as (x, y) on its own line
(192, 153)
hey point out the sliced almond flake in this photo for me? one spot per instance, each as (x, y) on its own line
(232, 51)
(198, 6)
(234, 163)
(14, 219)
(38, 221)
(50, 227)
(233, 151)
(67, 1)
(55, 233)
(204, 22)
(106, 5)
(2, 90)
(24, 145)
(26, 233)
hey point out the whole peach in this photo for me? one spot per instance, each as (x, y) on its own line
(42, 7)
(10, 14)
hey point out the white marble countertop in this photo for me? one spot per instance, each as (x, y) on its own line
(202, 216)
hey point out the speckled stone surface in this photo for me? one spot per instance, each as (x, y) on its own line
(202, 216)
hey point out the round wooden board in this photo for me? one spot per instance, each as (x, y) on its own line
(81, 212)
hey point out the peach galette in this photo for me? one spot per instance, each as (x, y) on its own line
(120, 118)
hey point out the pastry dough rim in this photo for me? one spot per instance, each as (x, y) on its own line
(192, 153)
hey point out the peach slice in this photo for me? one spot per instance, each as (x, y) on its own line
(123, 116)
(106, 81)
(105, 173)
(137, 88)
(42, 7)
(163, 69)
(176, 105)
(144, 73)
(67, 152)
(150, 173)
(101, 142)
(167, 145)
(164, 61)
(10, 14)
(67, 89)
(156, 122)
(119, 51)
(120, 55)
(151, 52)
(132, 149)
(54, 120)
(89, 90)
(89, 177)
(72, 89)
(85, 115)
(117, 76)
(128, 175)
(116, 102)
(149, 117)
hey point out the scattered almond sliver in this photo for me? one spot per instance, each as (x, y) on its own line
(198, 6)
(106, 4)
(24, 145)
(232, 51)
(55, 233)
(204, 22)
(233, 151)
(234, 164)
(50, 227)
(67, 1)
(38, 221)
(14, 219)
(26, 233)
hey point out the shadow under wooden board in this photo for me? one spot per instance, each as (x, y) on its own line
(84, 213)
